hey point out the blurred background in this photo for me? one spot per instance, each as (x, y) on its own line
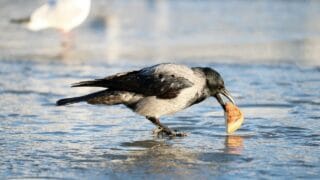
(163, 30)
(267, 51)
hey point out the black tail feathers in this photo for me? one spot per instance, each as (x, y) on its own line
(67, 101)
(85, 98)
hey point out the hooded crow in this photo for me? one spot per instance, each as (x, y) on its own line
(155, 91)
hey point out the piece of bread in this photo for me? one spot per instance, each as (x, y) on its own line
(233, 116)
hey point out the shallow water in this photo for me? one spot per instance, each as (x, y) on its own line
(280, 136)
(278, 93)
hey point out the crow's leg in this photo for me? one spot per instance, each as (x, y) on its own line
(162, 129)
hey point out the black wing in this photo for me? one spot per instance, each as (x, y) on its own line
(165, 86)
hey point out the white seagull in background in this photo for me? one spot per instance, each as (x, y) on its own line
(63, 15)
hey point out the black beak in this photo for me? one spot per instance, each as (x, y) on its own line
(226, 94)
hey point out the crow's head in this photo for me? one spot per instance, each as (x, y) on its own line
(216, 86)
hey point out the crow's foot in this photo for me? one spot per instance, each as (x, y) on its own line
(161, 132)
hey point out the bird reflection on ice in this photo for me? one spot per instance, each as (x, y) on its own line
(158, 156)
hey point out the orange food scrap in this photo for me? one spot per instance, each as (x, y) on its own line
(234, 117)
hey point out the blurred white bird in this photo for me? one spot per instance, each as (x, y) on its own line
(63, 15)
